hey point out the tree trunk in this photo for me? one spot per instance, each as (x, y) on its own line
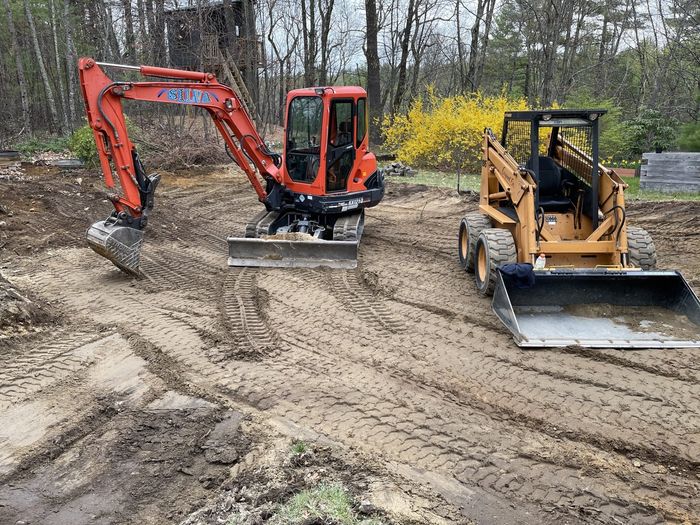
(21, 79)
(405, 41)
(374, 91)
(481, 57)
(150, 45)
(474, 46)
(159, 34)
(251, 51)
(59, 69)
(460, 49)
(325, 31)
(50, 100)
(129, 32)
(142, 32)
(309, 32)
(71, 62)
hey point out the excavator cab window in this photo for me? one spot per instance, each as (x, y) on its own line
(303, 151)
(341, 147)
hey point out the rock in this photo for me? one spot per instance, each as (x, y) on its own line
(186, 471)
(3, 224)
(366, 507)
(637, 463)
(220, 447)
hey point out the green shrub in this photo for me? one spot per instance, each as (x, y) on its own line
(613, 143)
(649, 131)
(82, 144)
(689, 139)
(447, 132)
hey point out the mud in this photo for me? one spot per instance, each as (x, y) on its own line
(290, 236)
(178, 396)
(645, 319)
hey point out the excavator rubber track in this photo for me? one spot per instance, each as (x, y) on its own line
(261, 247)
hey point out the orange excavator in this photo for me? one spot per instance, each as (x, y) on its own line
(314, 193)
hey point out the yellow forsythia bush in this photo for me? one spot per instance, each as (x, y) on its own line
(447, 133)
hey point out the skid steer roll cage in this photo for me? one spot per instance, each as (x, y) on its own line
(103, 102)
(511, 177)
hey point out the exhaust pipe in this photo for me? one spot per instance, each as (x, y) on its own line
(600, 309)
(119, 244)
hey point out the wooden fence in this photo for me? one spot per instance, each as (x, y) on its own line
(670, 172)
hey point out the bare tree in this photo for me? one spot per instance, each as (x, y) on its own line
(59, 69)
(21, 79)
(50, 100)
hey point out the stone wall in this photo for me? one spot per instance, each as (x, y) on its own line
(670, 172)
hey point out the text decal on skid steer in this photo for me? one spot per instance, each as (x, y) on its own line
(188, 96)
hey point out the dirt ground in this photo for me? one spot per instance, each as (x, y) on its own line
(177, 397)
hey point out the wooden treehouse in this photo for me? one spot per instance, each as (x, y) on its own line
(220, 38)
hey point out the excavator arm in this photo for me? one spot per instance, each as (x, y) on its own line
(119, 237)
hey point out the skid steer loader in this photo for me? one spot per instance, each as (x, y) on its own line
(545, 196)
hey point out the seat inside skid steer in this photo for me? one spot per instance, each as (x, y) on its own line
(552, 198)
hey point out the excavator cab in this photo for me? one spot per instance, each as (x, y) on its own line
(551, 242)
(329, 178)
(326, 149)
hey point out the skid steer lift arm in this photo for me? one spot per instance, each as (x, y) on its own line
(103, 103)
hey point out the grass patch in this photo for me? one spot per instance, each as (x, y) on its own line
(299, 448)
(635, 192)
(440, 179)
(325, 503)
(40, 144)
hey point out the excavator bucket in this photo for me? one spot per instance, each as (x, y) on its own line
(600, 309)
(119, 244)
(282, 252)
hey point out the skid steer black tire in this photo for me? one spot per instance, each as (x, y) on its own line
(494, 247)
(470, 228)
(642, 252)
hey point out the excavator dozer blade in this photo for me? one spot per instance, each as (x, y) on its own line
(600, 309)
(119, 244)
(285, 253)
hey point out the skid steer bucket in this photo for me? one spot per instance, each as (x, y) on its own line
(119, 244)
(285, 253)
(600, 309)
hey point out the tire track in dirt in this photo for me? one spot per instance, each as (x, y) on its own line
(346, 286)
(248, 382)
(443, 351)
(441, 391)
(34, 367)
(451, 289)
(680, 363)
(324, 372)
(250, 334)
